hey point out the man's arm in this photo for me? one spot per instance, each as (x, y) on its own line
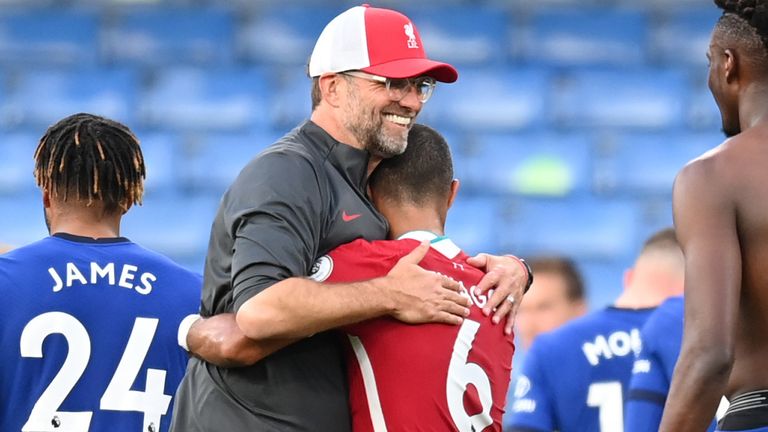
(705, 222)
(218, 340)
(298, 307)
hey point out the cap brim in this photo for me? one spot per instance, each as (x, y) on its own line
(408, 68)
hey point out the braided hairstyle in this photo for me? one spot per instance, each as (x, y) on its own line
(90, 158)
(745, 22)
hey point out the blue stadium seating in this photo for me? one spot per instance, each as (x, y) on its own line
(196, 99)
(162, 158)
(491, 99)
(647, 164)
(21, 219)
(179, 229)
(530, 164)
(17, 164)
(170, 35)
(569, 119)
(290, 101)
(463, 35)
(63, 37)
(283, 35)
(38, 98)
(473, 224)
(215, 160)
(586, 36)
(588, 228)
(703, 113)
(683, 37)
(603, 279)
(632, 98)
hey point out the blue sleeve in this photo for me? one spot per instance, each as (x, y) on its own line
(649, 384)
(532, 405)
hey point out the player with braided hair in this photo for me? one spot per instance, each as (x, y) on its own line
(91, 342)
(720, 205)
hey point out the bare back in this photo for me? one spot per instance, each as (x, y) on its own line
(721, 221)
(750, 175)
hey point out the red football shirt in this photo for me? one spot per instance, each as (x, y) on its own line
(428, 377)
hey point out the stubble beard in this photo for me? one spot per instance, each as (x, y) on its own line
(367, 126)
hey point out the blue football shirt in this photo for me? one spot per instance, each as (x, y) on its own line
(662, 336)
(574, 379)
(89, 335)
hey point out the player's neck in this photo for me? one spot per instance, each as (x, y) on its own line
(86, 224)
(752, 107)
(407, 218)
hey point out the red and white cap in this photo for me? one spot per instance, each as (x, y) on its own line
(378, 41)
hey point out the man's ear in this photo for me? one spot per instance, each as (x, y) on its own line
(730, 66)
(330, 89)
(46, 198)
(454, 190)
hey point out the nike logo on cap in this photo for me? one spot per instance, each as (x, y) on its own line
(349, 217)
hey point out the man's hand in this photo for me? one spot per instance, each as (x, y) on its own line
(423, 296)
(508, 279)
(218, 340)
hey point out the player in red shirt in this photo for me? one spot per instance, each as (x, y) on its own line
(429, 377)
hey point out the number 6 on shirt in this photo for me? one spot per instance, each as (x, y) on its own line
(461, 373)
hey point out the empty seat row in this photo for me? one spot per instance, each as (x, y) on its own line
(257, 98)
(284, 35)
(488, 165)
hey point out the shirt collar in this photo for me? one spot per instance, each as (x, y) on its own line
(442, 244)
(349, 161)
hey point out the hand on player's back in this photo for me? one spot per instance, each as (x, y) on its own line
(507, 279)
(423, 296)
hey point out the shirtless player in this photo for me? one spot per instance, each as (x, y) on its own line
(721, 209)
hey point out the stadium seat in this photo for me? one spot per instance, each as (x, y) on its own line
(646, 164)
(195, 99)
(586, 36)
(491, 99)
(170, 36)
(283, 35)
(22, 219)
(179, 229)
(473, 224)
(682, 37)
(543, 164)
(38, 99)
(603, 279)
(17, 163)
(589, 228)
(162, 159)
(616, 98)
(57, 37)
(463, 35)
(703, 113)
(215, 160)
(290, 101)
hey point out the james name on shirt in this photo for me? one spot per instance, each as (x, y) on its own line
(123, 277)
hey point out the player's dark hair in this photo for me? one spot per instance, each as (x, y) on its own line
(317, 95)
(87, 157)
(421, 174)
(565, 268)
(745, 23)
(665, 240)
